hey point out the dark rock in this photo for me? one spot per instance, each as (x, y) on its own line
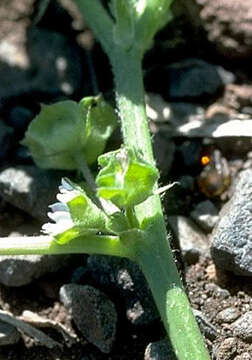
(193, 242)
(243, 327)
(190, 152)
(159, 350)
(33, 58)
(30, 189)
(8, 334)
(231, 246)
(5, 140)
(193, 79)
(23, 156)
(205, 215)
(93, 313)
(59, 67)
(14, 60)
(186, 182)
(19, 119)
(126, 279)
(163, 149)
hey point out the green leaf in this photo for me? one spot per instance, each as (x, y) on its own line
(125, 178)
(155, 15)
(66, 130)
(101, 120)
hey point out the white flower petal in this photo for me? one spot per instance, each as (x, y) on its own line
(56, 228)
(59, 216)
(59, 206)
(60, 213)
(66, 185)
(68, 196)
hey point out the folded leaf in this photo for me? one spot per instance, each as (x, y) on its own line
(125, 178)
(101, 120)
(67, 130)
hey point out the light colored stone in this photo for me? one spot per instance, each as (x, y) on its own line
(243, 327)
(193, 242)
(231, 246)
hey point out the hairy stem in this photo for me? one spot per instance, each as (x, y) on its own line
(46, 245)
(154, 253)
(99, 20)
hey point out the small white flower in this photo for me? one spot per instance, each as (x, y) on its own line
(59, 211)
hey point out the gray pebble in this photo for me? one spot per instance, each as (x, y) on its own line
(205, 215)
(125, 277)
(8, 334)
(231, 247)
(93, 313)
(228, 315)
(193, 242)
(30, 189)
(243, 327)
(22, 269)
(159, 350)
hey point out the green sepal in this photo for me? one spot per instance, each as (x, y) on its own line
(67, 235)
(67, 130)
(151, 18)
(117, 223)
(101, 121)
(140, 19)
(86, 215)
(125, 178)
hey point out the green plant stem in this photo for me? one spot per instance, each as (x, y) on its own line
(154, 253)
(129, 90)
(86, 172)
(131, 216)
(46, 245)
(99, 20)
